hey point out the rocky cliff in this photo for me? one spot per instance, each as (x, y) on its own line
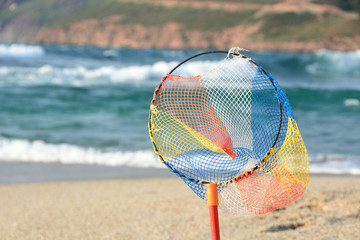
(279, 25)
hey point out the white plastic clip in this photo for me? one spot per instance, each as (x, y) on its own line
(235, 51)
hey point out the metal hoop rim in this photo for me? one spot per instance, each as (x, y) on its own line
(271, 79)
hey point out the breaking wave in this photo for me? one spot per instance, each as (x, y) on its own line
(20, 50)
(38, 151)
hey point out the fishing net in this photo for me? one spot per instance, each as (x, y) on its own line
(233, 126)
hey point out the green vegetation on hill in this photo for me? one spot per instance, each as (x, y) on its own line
(283, 25)
(277, 26)
(250, 1)
(306, 26)
(59, 13)
(149, 14)
(46, 12)
(347, 5)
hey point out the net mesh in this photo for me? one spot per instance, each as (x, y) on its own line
(234, 126)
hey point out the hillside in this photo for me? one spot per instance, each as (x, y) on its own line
(290, 25)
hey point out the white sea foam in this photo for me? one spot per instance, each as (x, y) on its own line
(335, 63)
(38, 151)
(137, 73)
(352, 102)
(326, 68)
(334, 164)
(83, 76)
(20, 50)
(110, 53)
(323, 64)
(336, 167)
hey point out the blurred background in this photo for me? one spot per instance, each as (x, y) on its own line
(77, 77)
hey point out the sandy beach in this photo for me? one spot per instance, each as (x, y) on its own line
(165, 208)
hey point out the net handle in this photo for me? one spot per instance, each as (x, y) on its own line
(213, 202)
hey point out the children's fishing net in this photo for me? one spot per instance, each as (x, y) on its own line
(234, 126)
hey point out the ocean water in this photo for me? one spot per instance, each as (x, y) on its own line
(88, 105)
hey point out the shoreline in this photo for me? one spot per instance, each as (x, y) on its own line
(26, 172)
(29, 172)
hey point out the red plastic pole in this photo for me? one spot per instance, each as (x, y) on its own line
(213, 202)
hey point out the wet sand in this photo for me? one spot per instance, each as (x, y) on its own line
(165, 208)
